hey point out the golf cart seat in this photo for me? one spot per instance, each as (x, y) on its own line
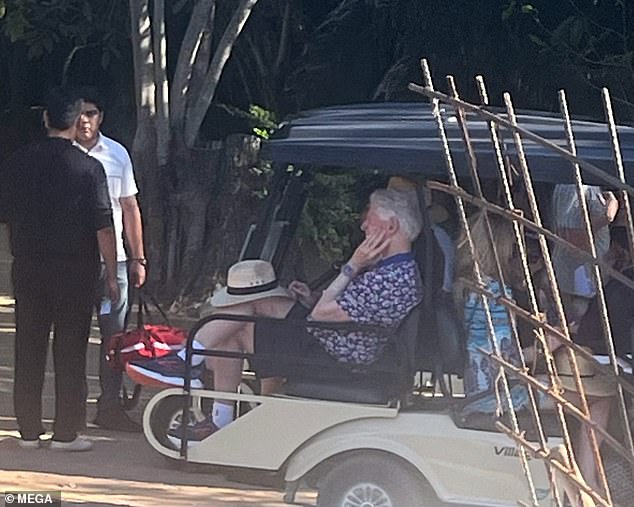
(382, 382)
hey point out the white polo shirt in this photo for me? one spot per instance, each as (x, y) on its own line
(121, 183)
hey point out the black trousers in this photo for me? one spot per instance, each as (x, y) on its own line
(57, 294)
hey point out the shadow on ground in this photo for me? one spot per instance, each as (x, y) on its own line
(122, 470)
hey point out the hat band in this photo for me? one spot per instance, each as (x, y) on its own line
(580, 376)
(245, 291)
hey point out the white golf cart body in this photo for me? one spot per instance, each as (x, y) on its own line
(375, 454)
(304, 436)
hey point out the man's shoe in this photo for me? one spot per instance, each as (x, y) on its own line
(30, 444)
(195, 433)
(80, 444)
(117, 420)
(167, 371)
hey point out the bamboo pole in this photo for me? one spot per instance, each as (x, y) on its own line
(476, 268)
(598, 266)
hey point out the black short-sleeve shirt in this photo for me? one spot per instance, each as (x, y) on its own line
(54, 198)
(620, 303)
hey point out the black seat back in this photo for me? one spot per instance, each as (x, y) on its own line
(387, 379)
(441, 347)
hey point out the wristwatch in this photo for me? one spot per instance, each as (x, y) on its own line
(347, 270)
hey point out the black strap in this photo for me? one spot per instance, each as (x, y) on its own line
(128, 402)
(143, 309)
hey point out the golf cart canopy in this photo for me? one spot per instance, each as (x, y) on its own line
(399, 138)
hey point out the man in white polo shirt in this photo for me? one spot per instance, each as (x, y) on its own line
(130, 267)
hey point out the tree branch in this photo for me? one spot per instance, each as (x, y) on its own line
(283, 45)
(196, 114)
(143, 60)
(203, 56)
(198, 22)
(160, 80)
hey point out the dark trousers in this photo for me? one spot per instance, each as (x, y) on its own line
(110, 323)
(110, 380)
(57, 294)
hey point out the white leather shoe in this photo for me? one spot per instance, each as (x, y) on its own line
(78, 445)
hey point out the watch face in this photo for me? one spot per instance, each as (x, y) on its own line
(347, 270)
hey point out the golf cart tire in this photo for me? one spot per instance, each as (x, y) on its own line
(372, 479)
(166, 414)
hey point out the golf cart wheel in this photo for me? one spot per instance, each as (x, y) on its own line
(371, 480)
(168, 414)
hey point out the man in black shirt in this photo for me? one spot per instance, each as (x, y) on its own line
(620, 303)
(55, 199)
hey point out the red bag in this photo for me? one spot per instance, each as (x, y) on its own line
(147, 341)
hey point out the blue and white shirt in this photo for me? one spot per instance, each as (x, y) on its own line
(382, 295)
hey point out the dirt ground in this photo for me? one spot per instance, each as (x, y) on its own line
(122, 470)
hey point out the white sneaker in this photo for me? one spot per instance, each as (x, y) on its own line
(29, 444)
(78, 445)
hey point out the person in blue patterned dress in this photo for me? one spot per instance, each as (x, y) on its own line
(480, 370)
(379, 285)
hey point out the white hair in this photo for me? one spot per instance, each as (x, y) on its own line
(402, 204)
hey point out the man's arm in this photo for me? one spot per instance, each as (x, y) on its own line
(104, 227)
(133, 229)
(108, 250)
(366, 254)
(327, 309)
(7, 190)
(603, 208)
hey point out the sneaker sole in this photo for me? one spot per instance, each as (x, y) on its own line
(57, 447)
(145, 377)
(176, 442)
(30, 444)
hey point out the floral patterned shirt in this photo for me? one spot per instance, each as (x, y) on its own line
(382, 296)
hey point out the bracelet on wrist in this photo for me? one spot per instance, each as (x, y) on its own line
(140, 260)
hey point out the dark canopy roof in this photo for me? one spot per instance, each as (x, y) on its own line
(403, 137)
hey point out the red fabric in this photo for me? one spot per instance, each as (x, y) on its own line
(150, 342)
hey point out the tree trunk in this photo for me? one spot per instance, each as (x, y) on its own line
(161, 84)
(212, 213)
(196, 38)
(198, 107)
(179, 184)
(144, 145)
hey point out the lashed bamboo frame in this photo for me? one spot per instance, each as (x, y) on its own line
(498, 126)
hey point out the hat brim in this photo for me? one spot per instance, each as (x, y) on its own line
(598, 385)
(221, 298)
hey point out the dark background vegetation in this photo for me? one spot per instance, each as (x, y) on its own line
(335, 51)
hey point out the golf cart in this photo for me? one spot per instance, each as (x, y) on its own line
(394, 434)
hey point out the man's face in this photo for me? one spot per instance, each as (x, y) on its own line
(372, 222)
(89, 123)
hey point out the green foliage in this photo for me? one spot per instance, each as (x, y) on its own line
(44, 24)
(586, 44)
(265, 121)
(261, 121)
(331, 215)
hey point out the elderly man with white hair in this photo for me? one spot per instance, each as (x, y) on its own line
(379, 285)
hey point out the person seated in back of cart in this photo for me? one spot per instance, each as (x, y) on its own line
(379, 285)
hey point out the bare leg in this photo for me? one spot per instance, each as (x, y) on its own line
(271, 385)
(600, 413)
(228, 371)
(232, 336)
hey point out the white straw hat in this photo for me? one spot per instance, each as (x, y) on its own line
(248, 281)
(594, 382)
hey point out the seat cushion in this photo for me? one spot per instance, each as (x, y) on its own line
(355, 390)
